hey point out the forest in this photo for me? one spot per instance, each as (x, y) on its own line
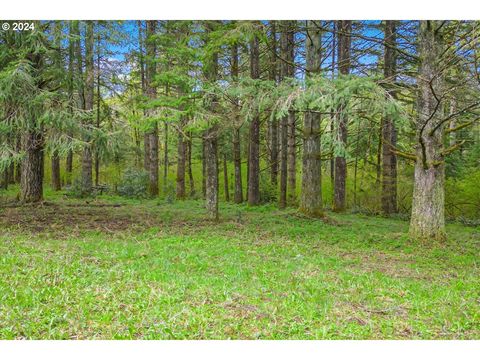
(280, 179)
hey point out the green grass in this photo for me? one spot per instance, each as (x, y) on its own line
(154, 270)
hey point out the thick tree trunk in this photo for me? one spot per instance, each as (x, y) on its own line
(56, 183)
(428, 218)
(181, 166)
(31, 183)
(389, 133)
(151, 94)
(87, 163)
(344, 28)
(311, 198)
(254, 154)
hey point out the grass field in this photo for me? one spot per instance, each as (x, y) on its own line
(153, 270)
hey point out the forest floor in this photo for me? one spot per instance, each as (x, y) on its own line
(153, 270)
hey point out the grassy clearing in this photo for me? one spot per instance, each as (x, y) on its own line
(152, 270)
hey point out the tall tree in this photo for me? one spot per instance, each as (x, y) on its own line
(343, 29)
(181, 158)
(57, 30)
(284, 73)
(141, 60)
(273, 122)
(151, 92)
(71, 80)
(428, 218)
(389, 133)
(88, 122)
(291, 142)
(311, 197)
(237, 156)
(254, 148)
(210, 137)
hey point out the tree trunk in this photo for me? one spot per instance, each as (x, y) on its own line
(311, 198)
(225, 178)
(344, 28)
(237, 162)
(181, 166)
(211, 140)
(286, 38)
(189, 166)
(97, 154)
(273, 124)
(165, 156)
(204, 170)
(237, 156)
(428, 219)
(18, 166)
(291, 142)
(31, 183)
(89, 89)
(71, 78)
(211, 172)
(151, 94)
(56, 183)
(389, 133)
(254, 154)
(332, 115)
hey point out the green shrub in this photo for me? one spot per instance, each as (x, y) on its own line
(268, 192)
(134, 184)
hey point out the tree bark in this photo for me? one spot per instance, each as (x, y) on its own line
(56, 183)
(189, 167)
(181, 166)
(211, 172)
(71, 77)
(211, 141)
(291, 142)
(344, 28)
(97, 154)
(89, 90)
(237, 156)
(311, 198)
(225, 178)
(428, 218)
(286, 37)
(254, 152)
(151, 94)
(273, 124)
(165, 155)
(237, 162)
(31, 182)
(389, 133)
